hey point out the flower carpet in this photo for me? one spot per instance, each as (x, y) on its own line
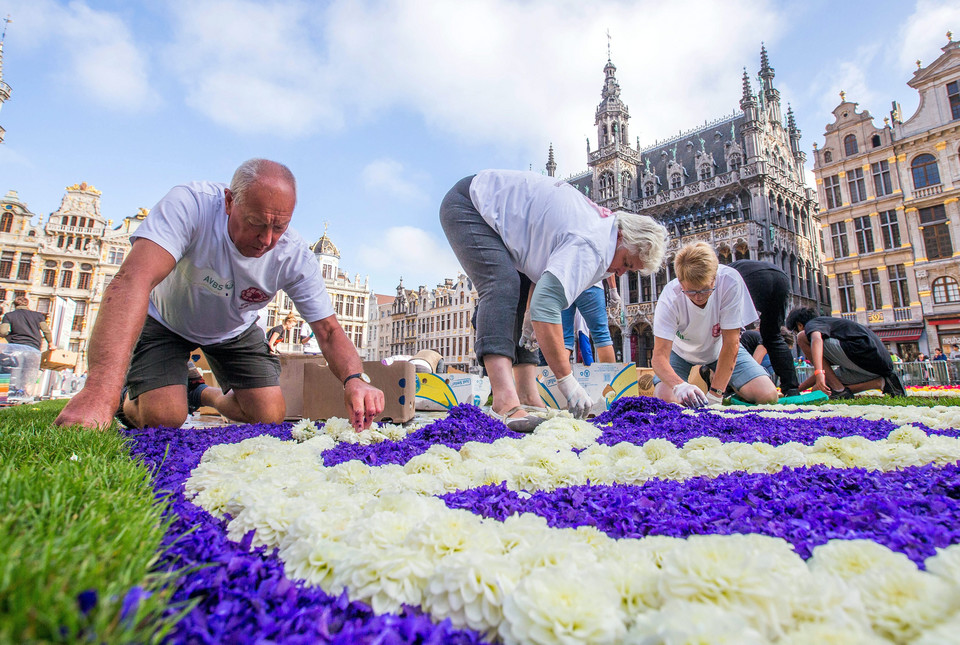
(650, 524)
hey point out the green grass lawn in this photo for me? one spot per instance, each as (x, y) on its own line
(79, 528)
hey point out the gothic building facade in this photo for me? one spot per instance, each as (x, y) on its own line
(735, 182)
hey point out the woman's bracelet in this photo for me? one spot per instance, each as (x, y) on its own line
(815, 372)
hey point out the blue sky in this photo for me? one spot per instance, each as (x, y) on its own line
(380, 106)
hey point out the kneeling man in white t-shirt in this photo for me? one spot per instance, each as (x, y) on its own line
(697, 321)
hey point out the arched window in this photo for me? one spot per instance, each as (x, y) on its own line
(850, 145)
(706, 171)
(735, 162)
(945, 290)
(6, 223)
(827, 156)
(676, 180)
(649, 189)
(875, 141)
(606, 185)
(626, 181)
(925, 171)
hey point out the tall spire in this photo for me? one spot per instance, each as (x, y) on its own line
(747, 98)
(4, 88)
(551, 164)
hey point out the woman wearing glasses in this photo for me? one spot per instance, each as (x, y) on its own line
(697, 321)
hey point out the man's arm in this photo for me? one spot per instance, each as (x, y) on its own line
(47, 333)
(727, 360)
(118, 325)
(661, 362)
(363, 401)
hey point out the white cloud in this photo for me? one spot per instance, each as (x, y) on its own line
(517, 75)
(98, 57)
(924, 32)
(415, 255)
(853, 77)
(388, 178)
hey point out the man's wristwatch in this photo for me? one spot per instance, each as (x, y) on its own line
(360, 375)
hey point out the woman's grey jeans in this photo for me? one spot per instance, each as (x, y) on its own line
(501, 289)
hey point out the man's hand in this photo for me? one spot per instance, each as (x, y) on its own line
(89, 409)
(714, 399)
(821, 382)
(690, 395)
(363, 401)
(578, 401)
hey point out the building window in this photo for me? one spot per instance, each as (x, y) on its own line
(848, 299)
(890, 229)
(864, 234)
(49, 278)
(925, 171)
(649, 189)
(898, 285)
(349, 309)
(26, 264)
(606, 185)
(881, 178)
(936, 234)
(858, 189)
(66, 279)
(43, 305)
(850, 145)
(6, 223)
(78, 315)
(945, 290)
(676, 180)
(838, 234)
(831, 186)
(706, 171)
(115, 256)
(735, 162)
(872, 299)
(84, 280)
(827, 156)
(875, 141)
(626, 179)
(6, 264)
(953, 95)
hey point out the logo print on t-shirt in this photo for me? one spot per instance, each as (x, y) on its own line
(252, 294)
(716, 330)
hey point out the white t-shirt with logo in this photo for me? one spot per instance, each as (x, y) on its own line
(547, 225)
(214, 293)
(695, 332)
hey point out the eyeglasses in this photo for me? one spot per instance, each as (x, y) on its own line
(699, 292)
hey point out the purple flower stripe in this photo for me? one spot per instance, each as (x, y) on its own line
(640, 419)
(244, 596)
(914, 510)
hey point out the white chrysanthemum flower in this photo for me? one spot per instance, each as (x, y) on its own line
(451, 532)
(849, 559)
(824, 459)
(945, 632)
(711, 461)
(901, 604)
(827, 634)
(659, 546)
(384, 576)
(701, 443)
(548, 469)
(657, 449)
(945, 564)
(692, 623)
(893, 456)
(909, 435)
(555, 606)
(314, 561)
(348, 472)
(430, 464)
(939, 450)
(304, 429)
(634, 574)
(596, 465)
(556, 547)
(735, 573)
(828, 599)
(673, 467)
(469, 588)
(521, 530)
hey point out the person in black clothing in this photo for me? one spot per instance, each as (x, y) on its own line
(769, 288)
(24, 327)
(861, 359)
(275, 334)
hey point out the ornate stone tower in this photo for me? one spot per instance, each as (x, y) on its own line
(614, 164)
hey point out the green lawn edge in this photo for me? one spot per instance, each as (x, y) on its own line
(79, 519)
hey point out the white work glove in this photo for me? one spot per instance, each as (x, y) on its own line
(528, 338)
(714, 399)
(689, 395)
(614, 301)
(578, 401)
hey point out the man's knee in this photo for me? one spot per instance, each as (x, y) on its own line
(157, 417)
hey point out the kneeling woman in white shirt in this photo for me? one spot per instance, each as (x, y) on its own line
(512, 230)
(697, 321)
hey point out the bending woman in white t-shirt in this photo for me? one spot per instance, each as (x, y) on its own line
(520, 234)
(697, 321)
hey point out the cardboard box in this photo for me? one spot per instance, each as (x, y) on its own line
(604, 382)
(291, 380)
(645, 381)
(58, 359)
(437, 392)
(322, 392)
